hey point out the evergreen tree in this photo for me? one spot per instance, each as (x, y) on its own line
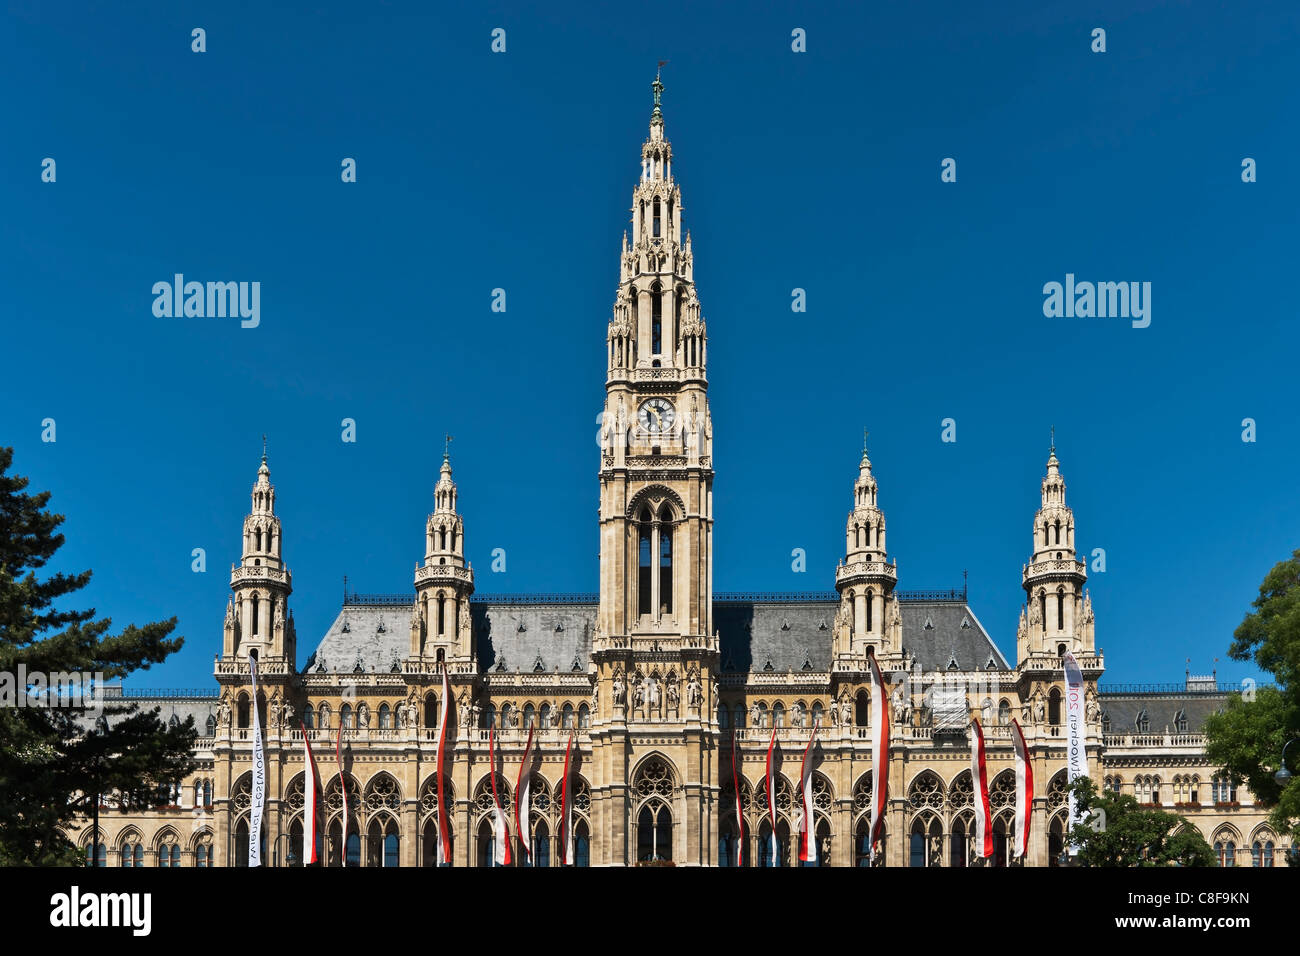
(57, 754)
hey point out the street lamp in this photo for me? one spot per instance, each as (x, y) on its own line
(1283, 776)
(288, 856)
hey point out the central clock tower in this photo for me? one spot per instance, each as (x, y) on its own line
(656, 475)
(654, 653)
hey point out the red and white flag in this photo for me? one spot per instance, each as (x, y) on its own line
(523, 798)
(501, 834)
(808, 825)
(566, 811)
(771, 792)
(343, 789)
(740, 816)
(1024, 788)
(979, 777)
(444, 711)
(309, 785)
(879, 753)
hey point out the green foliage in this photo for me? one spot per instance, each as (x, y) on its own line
(55, 760)
(1134, 835)
(1247, 737)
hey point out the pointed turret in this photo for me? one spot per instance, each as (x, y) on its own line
(1053, 580)
(865, 579)
(257, 614)
(440, 624)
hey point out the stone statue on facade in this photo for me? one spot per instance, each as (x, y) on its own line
(1093, 707)
(1040, 709)
(619, 688)
(694, 693)
(223, 710)
(796, 715)
(673, 694)
(755, 716)
(464, 710)
(835, 712)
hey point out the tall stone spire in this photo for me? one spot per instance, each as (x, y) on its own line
(865, 579)
(257, 615)
(440, 621)
(1054, 616)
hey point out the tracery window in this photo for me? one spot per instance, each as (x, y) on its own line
(203, 849)
(961, 793)
(483, 799)
(926, 792)
(382, 794)
(1002, 791)
(131, 850)
(653, 786)
(1226, 850)
(1261, 853)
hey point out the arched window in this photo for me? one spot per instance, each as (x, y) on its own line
(385, 717)
(871, 601)
(255, 607)
(724, 718)
(1060, 606)
(1004, 712)
(665, 562)
(211, 726)
(1142, 722)
(656, 321)
(643, 570)
(1054, 706)
(169, 850)
(566, 717)
(383, 844)
(430, 711)
(1226, 850)
(308, 717)
(584, 716)
(203, 851)
(1042, 608)
(242, 711)
(765, 856)
(100, 854)
(656, 221)
(544, 716)
(442, 614)
(581, 845)
(541, 847)
(530, 715)
(207, 793)
(778, 714)
(862, 709)
(653, 786)
(345, 717)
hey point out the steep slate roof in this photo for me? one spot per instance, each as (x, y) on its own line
(1162, 710)
(556, 633)
(790, 636)
(753, 634)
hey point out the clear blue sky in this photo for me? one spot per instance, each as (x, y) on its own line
(817, 170)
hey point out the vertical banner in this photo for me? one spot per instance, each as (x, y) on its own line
(879, 753)
(444, 711)
(980, 778)
(808, 825)
(566, 811)
(1076, 754)
(259, 776)
(523, 801)
(343, 789)
(740, 815)
(771, 792)
(501, 830)
(309, 784)
(1024, 788)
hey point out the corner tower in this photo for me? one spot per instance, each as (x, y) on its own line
(440, 618)
(257, 614)
(1057, 615)
(865, 580)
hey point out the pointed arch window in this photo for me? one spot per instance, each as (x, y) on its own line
(657, 225)
(656, 312)
(1054, 706)
(644, 596)
(665, 562)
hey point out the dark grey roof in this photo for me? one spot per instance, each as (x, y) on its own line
(788, 636)
(518, 633)
(937, 634)
(1162, 710)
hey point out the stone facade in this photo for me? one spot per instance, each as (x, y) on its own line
(657, 679)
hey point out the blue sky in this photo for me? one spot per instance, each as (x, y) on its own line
(816, 170)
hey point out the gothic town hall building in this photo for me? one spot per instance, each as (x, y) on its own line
(657, 675)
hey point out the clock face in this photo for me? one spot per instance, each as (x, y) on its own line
(656, 415)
